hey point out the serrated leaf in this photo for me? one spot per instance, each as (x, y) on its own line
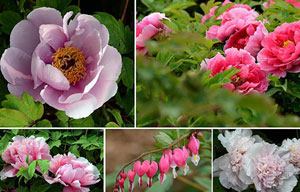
(56, 143)
(84, 122)
(44, 165)
(3, 143)
(43, 123)
(12, 118)
(74, 150)
(56, 135)
(31, 169)
(127, 74)
(23, 172)
(117, 116)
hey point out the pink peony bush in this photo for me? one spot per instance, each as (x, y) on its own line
(150, 26)
(280, 53)
(66, 64)
(249, 79)
(16, 153)
(74, 173)
(293, 2)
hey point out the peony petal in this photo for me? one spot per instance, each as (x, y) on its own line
(45, 15)
(51, 96)
(25, 36)
(8, 172)
(53, 35)
(112, 62)
(65, 22)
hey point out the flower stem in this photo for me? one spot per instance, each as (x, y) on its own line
(190, 183)
(124, 10)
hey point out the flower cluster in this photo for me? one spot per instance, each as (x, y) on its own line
(73, 173)
(174, 158)
(250, 160)
(66, 64)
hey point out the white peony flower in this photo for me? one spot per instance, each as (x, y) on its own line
(268, 169)
(290, 149)
(229, 166)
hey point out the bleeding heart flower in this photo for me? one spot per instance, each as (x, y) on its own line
(123, 175)
(131, 175)
(164, 166)
(141, 169)
(121, 184)
(193, 146)
(151, 172)
(186, 155)
(173, 165)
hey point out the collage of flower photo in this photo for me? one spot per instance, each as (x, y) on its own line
(149, 95)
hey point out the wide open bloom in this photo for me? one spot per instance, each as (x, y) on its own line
(290, 149)
(131, 176)
(229, 166)
(249, 79)
(151, 172)
(16, 153)
(232, 21)
(212, 10)
(164, 166)
(248, 38)
(74, 173)
(141, 169)
(281, 50)
(269, 170)
(194, 146)
(70, 67)
(293, 2)
(150, 26)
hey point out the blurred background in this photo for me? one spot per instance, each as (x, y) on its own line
(122, 146)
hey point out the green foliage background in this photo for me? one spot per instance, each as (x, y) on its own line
(171, 89)
(82, 143)
(118, 111)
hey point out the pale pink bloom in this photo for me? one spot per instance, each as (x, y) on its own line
(131, 176)
(248, 38)
(268, 170)
(293, 2)
(150, 26)
(281, 50)
(232, 21)
(16, 153)
(151, 172)
(290, 149)
(66, 64)
(164, 166)
(193, 146)
(212, 10)
(229, 166)
(74, 173)
(249, 79)
(141, 169)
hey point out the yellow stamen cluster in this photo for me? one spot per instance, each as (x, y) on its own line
(238, 81)
(70, 61)
(285, 44)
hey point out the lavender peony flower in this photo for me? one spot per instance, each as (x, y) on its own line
(16, 153)
(268, 169)
(229, 166)
(68, 65)
(74, 173)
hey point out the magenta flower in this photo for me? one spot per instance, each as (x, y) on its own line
(281, 50)
(123, 175)
(194, 146)
(74, 173)
(150, 26)
(141, 169)
(121, 184)
(293, 2)
(70, 67)
(186, 155)
(248, 38)
(151, 172)
(16, 153)
(249, 79)
(232, 21)
(164, 166)
(131, 176)
(170, 154)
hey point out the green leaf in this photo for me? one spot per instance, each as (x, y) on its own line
(23, 172)
(15, 131)
(74, 150)
(221, 78)
(85, 122)
(112, 124)
(127, 74)
(12, 118)
(222, 9)
(8, 19)
(163, 139)
(43, 123)
(33, 110)
(277, 82)
(44, 165)
(31, 169)
(56, 143)
(61, 115)
(117, 116)
(56, 135)
(4, 142)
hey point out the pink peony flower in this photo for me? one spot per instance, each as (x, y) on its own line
(148, 28)
(293, 2)
(131, 176)
(141, 169)
(16, 153)
(232, 21)
(249, 79)
(194, 146)
(248, 38)
(268, 170)
(212, 10)
(281, 50)
(70, 67)
(74, 173)
(164, 166)
(151, 172)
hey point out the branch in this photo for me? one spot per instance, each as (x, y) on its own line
(124, 11)
(191, 183)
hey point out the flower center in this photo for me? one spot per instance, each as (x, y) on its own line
(70, 61)
(285, 44)
(237, 81)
